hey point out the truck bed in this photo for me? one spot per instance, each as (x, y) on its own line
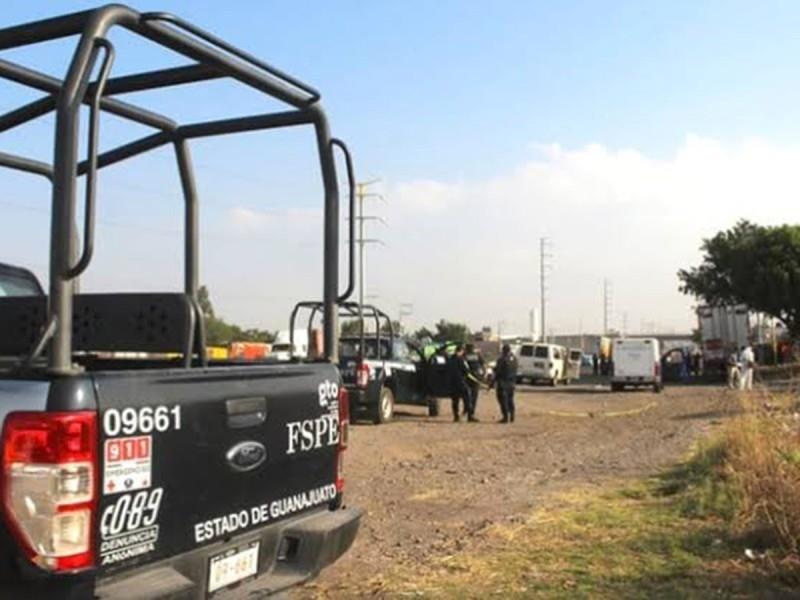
(194, 464)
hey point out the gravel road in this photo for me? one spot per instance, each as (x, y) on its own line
(430, 486)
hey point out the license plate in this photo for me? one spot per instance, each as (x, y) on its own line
(233, 565)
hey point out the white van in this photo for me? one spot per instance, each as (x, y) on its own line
(542, 362)
(636, 363)
(574, 364)
(282, 347)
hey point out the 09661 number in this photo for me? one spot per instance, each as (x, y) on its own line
(146, 419)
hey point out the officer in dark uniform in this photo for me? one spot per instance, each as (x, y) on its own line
(477, 368)
(459, 375)
(505, 380)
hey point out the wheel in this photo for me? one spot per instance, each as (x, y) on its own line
(658, 388)
(433, 407)
(385, 409)
(617, 387)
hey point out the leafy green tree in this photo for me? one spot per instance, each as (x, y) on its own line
(753, 265)
(396, 327)
(350, 327)
(422, 334)
(448, 331)
(221, 333)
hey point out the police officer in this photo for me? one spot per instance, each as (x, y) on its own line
(477, 368)
(505, 379)
(459, 375)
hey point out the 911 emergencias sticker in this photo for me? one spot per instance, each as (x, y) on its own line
(128, 464)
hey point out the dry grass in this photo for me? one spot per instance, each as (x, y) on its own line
(724, 523)
(762, 458)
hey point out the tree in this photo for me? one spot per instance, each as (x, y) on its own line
(753, 265)
(351, 327)
(221, 333)
(423, 334)
(395, 327)
(447, 331)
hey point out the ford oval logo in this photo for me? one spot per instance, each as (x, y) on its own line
(246, 456)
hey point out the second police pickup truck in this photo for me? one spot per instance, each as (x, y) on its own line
(379, 369)
(155, 476)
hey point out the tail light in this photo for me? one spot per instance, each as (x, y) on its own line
(49, 489)
(363, 373)
(344, 434)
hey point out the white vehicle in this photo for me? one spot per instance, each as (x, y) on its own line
(574, 364)
(282, 348)
(542, 362)
(636, 363)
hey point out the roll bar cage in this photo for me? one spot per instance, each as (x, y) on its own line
(348, 310)
(212, 58)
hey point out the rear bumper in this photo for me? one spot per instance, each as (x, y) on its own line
(360, 399)
(317, 540)
(634, 380)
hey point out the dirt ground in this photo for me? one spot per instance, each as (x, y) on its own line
(431, 486)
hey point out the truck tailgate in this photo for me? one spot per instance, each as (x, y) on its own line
(190, 458)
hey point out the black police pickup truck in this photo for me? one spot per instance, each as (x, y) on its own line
(378, 368)
(127, 472)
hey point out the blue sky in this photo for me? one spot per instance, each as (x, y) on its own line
(460, 95)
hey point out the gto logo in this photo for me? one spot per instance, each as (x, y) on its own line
(246, 456)
(328, 391)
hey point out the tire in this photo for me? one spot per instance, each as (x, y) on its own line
(658, 388)
(617, 387)
(433, 407)
(385, 409)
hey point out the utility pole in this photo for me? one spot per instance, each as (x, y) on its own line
(406, 310)
(361, 195)
(607, 304)
(544, 265)
(532, 324)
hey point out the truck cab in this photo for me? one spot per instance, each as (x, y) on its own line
(131, 466)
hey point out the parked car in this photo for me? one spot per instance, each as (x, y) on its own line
(387, 372)
(542, 362)
(636, 363)
(378, 369)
